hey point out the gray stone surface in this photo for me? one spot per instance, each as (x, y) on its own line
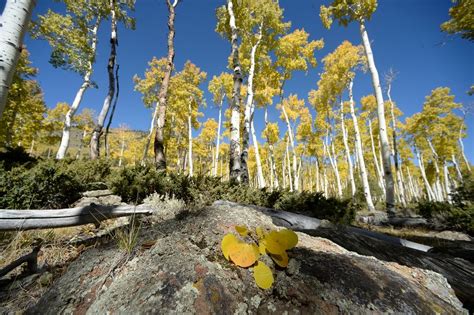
(178, 268)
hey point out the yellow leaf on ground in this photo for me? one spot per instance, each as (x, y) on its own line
(242, 254)
(228, 241)
(289, 237)
(280, 259)
(261, 248)
(260, 233)
(242, 230)
(274, 243)
(263, 275)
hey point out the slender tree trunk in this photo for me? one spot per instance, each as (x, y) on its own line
(360, 153)
(96, 134)
(333, 159)
(389, 187)
(461, 144)
(437, 180)
(78, 155)
(348, 152)
(456, 166)
(122, 149)
(190, 140)
(77, 99)
(414, 192)
(234, 148)
(396, 160)
(249, 111)
(429, 191)
(218, 138)
(376, 163)
(114, 106)
(158, 147)
(32, 146)
(274, 183)
(293, 150)
(447, 184)
(288, 163)
(318, 187)
(150, 133)
(260, 178)
(14, 22)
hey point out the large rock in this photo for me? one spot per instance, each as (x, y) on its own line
(185, 272)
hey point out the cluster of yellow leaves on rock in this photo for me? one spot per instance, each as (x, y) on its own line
(273, 243)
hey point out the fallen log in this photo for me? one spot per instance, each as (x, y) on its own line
(11, 220)
(299, 222)
(31, 259)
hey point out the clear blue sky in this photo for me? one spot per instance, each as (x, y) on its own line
(405, 35)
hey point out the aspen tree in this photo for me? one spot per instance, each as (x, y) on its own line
(360, 11)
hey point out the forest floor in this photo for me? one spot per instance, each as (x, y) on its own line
(60, 247)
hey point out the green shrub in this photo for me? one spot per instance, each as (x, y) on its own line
(93, 174)
(43, 186)
(14, 157)
(453, 216)
(135, 183)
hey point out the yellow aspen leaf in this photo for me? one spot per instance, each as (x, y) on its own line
(228, 241)
(261, 248)
(260, 233)
(274, 243)
(242, 254)
(242, 230)
(288, 237)
(280, 259)
(263, 275)
(256, 250)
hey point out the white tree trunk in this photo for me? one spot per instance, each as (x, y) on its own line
(78, 98)
(13, 26)
(288, 163)
(429, 191)
(122, 149)
(150, 133)
(348, 152)
(376, 163)
(439, 191)
(190, 141)
(96, 134)
(218, 138)
(333, 159)
(461, 144)
(458, 170)
(360, 153)
(260, 178)
(273, 172)
(401, 190)
(387, 165)
(447, 184)
(234, 147)
(248, 113)
(293, 151)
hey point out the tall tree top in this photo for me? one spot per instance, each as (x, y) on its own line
(347, 11)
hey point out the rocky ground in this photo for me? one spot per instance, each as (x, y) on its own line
(176, 266)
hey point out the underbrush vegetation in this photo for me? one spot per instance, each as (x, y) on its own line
(29, 183)
(135, 183)
(459, 214)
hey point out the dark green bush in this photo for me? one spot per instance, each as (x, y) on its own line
(13, 157)
(92, 174)
(134, 183)
(452, 216)
(43, 186)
